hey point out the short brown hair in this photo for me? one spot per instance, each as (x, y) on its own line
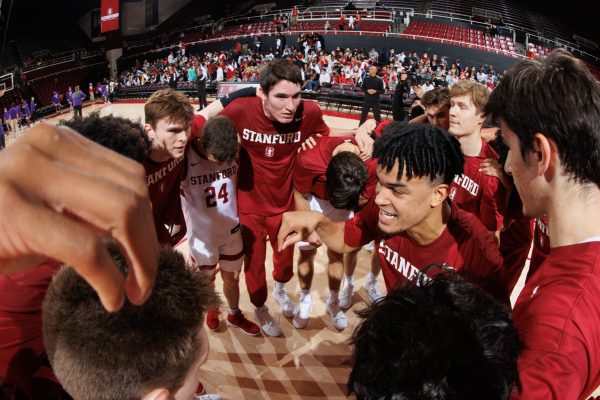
(219, 138)
(278, 70)
(439, 96)
(100, 355)
(170, 104)
(478, 93)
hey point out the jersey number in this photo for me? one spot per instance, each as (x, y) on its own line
(211, 195)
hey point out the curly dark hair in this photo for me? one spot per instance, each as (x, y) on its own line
(444, 339)
(122, 135)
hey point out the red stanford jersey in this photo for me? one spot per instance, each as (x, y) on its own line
(465, 245)
(21, 342)
(268, 153)
(311, 165)
(541, 245)
(557, 316)
(164, 180)
(478, 193)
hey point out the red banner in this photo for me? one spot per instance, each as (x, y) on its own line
(109, 15)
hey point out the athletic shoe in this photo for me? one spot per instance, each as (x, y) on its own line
(346, 294)
(238, 320)
(212, 320)
(266, 322)
(288, 308)
(202, 395)
(302, 312)
(372, 289)
(370, 247)
(338, 318)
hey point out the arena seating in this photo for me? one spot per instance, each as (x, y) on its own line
(468, 37)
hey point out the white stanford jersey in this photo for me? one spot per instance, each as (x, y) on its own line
(211, 212)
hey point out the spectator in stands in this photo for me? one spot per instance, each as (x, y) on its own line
(434, 341)
(294, 16)
(427, 86)
(325, 78)
(357, 22)
(342, 22)
(312, 81)
(327, 26)
(351, 22)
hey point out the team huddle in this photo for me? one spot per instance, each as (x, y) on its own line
(452, 209)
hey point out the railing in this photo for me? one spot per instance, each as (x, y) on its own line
(358, 33)
(49, 63)
(468, 19)
(572, 47)
(317, 14)
(65, 71)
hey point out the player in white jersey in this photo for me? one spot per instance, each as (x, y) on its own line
(211, 215)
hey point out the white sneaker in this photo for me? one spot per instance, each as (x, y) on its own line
(370, 247)
(346, 294)
(302, 312)
(266, 322)
(288, 308)
(338, 318)
(372, 289)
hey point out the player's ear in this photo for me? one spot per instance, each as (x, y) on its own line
(261, 93)
(440, 194)
(149, 130)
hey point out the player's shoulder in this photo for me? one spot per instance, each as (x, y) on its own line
(311, 108)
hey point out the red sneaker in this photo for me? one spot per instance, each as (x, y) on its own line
(238, 320)
(212, 320)
(200, 389)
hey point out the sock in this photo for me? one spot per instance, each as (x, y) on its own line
(371, 278)
(233, 311)
(349, 279)
(303, 294)
(333, 296)
(279, 286)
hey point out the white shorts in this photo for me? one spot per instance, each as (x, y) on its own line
(325, 208)
(229, 256)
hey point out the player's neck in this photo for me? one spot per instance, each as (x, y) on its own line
(573, 215)
(159, 155)
(432, 226)
(471, 144)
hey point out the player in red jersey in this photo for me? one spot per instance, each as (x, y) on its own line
(474, 191)
(411, 220)
(549, 113)
(272, 127)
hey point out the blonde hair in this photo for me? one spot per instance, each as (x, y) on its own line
(170, 104)
(478, 93)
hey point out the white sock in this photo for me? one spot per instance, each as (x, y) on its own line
(279, 286)
(303, 294)
(349, 279)
(371, 278)
(333, 296)
(233, 311)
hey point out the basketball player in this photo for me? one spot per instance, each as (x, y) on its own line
(474, 191)
(170, 121)
(549, 113)
(210, 198)
(446, 339)
(411, 221)
(272, 127)
(148, 352)
(332, 179)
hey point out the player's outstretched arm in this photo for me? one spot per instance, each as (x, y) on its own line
(61, 195)
(298, 225)
(217, 106)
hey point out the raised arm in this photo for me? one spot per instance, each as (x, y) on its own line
(62, 196)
